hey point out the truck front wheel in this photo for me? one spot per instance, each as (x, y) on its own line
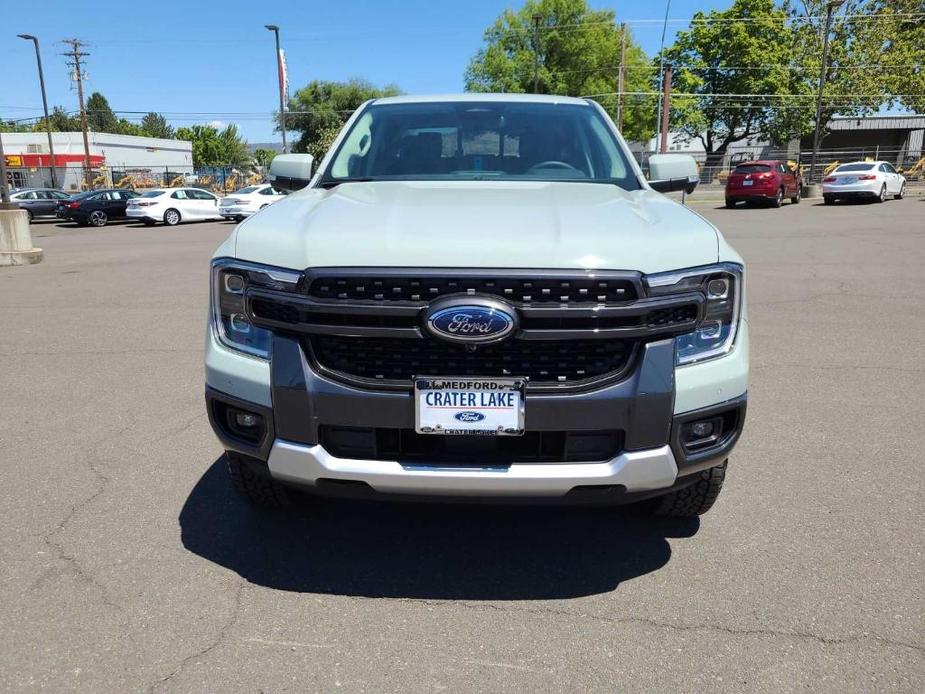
(696, 499)
(255, 484)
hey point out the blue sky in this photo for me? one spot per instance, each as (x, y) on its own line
(216, 57)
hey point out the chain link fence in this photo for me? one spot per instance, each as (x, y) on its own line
(713, 176)
(74, 179)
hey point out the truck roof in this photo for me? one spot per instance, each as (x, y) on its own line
(476, 96)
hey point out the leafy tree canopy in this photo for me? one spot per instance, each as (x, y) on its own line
(264, 156)
(100, 116)
(717, 58)
(212, 147)
(155, 125)
(322, 106)
(876, 54)
(578, 54)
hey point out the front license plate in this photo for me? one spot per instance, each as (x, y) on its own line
(748, 183)
(469, 406)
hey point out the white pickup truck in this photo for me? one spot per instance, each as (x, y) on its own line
(479, 296)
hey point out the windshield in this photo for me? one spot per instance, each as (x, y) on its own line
(855, 167)
(465, 141)
(245, 191)
(152, 193)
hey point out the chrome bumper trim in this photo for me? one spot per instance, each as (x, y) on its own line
(654, 468)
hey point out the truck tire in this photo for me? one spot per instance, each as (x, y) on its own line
(696, 499)
(260, 489)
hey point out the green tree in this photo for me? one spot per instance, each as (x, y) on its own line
(321, 106)
(264, 156)
(125, 127)
(100, 116)
(214, 148)
(60, 120)
(12, 126)
(876, 52)
(155, 125)
(725, 64)
(577, 50)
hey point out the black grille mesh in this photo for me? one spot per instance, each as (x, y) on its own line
(543, 361)
(514, 289)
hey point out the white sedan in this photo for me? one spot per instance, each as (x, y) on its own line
(247, 201)
(173, 205)
(872, 180)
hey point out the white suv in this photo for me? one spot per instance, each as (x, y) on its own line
(247, 201)
(173, 205)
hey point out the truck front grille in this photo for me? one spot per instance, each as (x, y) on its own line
(544, 362)
(565, 290)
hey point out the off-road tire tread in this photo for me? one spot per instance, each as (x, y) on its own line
(696, 499)
(260, 490)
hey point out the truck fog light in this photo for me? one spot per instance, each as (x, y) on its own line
(699, 430)
(718, 289)
(246, 419)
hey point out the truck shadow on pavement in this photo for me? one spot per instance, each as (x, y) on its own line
(425, 551)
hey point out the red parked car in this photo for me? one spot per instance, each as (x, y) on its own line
(766, 180)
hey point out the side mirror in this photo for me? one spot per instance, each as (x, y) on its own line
(290, 171)
(672, 172)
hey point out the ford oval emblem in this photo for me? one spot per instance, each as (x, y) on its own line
(471, 320)
(469, 416)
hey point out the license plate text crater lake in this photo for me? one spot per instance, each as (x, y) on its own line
(455, 399)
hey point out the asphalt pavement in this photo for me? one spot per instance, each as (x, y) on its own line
(127, 563)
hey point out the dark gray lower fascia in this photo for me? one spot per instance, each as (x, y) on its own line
(641, 404)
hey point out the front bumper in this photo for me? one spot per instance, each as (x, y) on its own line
(651, 407)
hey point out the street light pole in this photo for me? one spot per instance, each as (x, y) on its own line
(282, 87)
(536, 53)
(830, 8)
(51, 147)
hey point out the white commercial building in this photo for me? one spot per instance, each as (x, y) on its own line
(148, 160)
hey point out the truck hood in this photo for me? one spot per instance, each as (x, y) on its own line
(488, 224)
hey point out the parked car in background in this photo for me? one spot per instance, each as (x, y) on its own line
(768, 180)
(174, 205)
(870, 180)
(245, 202)
(95, 207)
(38, 202)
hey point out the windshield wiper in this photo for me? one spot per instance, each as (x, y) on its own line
(334, 182)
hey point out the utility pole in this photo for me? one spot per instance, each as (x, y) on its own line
(536, 54)
(282, 85)
(620, 77)
(666, 107)
(661, 64)
(51, 147)
(830, 8)
(76, 55)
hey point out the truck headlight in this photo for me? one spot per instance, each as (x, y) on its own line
(230, 281)
(722, 287)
